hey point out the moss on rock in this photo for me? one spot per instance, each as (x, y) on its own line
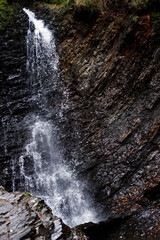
(6, 13)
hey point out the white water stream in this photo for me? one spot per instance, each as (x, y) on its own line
(49, 177)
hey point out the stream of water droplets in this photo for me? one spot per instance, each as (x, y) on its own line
(49, 177)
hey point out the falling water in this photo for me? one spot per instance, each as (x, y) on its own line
(41, 50)
(41, 166)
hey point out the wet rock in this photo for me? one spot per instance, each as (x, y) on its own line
(4, 208)
(112, 73)
(110, 68)
(18, 101)
(142, 224)
(25, 217)
(12, 79)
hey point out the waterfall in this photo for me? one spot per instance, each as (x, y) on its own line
(42, 167)
(41, 50)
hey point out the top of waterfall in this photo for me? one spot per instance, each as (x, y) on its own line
(39, 26)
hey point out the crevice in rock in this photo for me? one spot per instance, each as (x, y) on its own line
(153, 194)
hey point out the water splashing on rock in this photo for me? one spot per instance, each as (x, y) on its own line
(42, 167)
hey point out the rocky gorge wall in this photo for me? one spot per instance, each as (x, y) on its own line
(110, 68)
(14, 93)
(18, 103)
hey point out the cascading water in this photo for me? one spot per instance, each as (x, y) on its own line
(41, 166)
(41, 50)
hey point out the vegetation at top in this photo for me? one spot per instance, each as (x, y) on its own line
(143, 4)
(155, 17)
(84, 8)
(91, 4)
(138, 6)
(136, 3)
(7, 7)
(6, 13)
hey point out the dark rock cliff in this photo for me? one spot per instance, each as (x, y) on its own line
(110, 67)
(18, 101)
(14, 94)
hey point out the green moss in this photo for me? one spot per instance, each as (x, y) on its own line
(144, 4)
(40, 206)
(155, 17)
(60, 3)
(6, 13)
(90, 4)
(26, 195)
(135, 18)
(140, 3)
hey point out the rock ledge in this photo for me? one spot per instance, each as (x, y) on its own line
(25, 217)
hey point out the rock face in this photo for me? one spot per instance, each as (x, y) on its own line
(110, 68)
(14, 93)
(23, 216)
(18, 102)
(26, 217)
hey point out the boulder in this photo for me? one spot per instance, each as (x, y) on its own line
(23, 216)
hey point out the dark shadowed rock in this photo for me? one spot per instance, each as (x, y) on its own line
(111, 69)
